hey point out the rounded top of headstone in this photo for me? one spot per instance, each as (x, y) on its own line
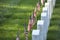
(35, 32)
(47, 4)
(40, 22)
(45, 9)
(44, 14)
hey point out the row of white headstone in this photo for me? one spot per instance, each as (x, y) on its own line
(43, 24)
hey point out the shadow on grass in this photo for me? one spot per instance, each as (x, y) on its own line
(55, 21)
(57, 4)
(53, 35)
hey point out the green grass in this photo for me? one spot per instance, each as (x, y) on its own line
(18, 12)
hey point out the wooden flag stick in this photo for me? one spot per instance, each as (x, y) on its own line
(25, 32)
(18, 38)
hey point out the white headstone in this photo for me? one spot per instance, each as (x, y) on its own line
(46, 9)
(40, 26)
(44, 17)
(51, 6)
(36, 35)
(46, 4)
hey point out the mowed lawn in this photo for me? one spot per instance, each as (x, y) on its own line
(16, 13)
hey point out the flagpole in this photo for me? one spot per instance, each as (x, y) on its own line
(18, 38)
(25, 29)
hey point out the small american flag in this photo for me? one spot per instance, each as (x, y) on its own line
(34, 12)
(30, 24)
(33, 19)
(42, 2)
(38, 6)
